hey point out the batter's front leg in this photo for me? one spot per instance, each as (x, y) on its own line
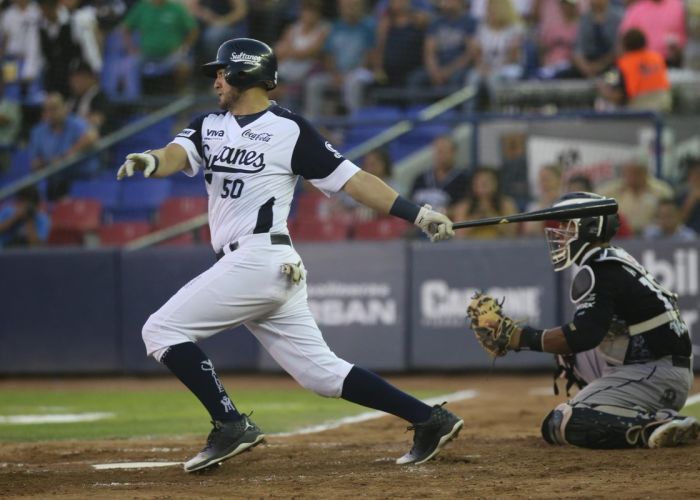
(293, 339)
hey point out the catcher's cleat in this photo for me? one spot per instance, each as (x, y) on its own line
(225, 440)
(432, 435)
(679, 430)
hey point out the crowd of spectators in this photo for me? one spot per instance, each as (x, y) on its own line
(67, 64)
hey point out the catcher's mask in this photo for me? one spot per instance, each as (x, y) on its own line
(569, 241)
(246, 62)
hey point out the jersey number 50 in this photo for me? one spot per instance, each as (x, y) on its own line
(232, 188)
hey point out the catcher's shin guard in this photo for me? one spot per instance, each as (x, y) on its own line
(602, 427)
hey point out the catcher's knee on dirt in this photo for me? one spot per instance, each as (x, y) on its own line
(600, 427)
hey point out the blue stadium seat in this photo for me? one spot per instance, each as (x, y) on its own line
(425, 133)
(105, 190)
(19, 167)
(383, 113)
(412, 113)
(187, 186)
(399, 150)
(155, 136)
(378, 118)
(139, 200)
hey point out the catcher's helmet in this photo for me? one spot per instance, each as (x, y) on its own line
(246, 62)
(568, 242)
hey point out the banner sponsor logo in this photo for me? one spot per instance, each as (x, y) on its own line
(678, 273)
(445, 306)
(344, 304)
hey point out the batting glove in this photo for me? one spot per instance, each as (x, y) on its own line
(146, 162)
(436, 225)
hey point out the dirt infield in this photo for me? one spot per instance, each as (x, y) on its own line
(498, 454)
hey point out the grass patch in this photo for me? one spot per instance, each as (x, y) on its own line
(692, 410)
(162, 412)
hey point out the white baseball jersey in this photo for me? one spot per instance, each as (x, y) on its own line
(251, 165)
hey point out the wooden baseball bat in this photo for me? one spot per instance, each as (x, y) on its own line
(586, 209)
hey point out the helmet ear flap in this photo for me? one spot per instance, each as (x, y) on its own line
(611, 224)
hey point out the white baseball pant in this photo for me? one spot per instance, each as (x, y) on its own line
(248, 287)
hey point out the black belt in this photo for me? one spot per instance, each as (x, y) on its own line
(275, 239)
(680, 361)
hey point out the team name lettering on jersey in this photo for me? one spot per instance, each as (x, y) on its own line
(227, 157)
(262, 136)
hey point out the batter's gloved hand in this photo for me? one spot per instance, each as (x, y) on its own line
(294, 272)
(436, 225)
(493, 329)
(145, 162)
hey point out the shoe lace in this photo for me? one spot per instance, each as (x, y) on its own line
(421, 426)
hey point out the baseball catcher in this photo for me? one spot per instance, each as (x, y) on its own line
(627, 346)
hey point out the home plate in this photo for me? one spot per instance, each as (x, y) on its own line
(134, 465)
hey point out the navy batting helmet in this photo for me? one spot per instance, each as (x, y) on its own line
(246, 62)
(568, 242)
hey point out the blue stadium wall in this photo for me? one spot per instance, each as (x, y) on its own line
(390, 306)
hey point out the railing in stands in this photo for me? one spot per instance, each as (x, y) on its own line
(402, 127)
(394, 131)
(178, 106)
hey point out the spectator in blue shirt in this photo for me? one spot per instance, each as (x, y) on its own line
(57, 137)
(446, 53)
(345, 58)
(423, 5)
(23, 224)
(669, 225)
(445, 184)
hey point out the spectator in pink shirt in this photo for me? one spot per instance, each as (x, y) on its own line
(663, 24)
(557, 30)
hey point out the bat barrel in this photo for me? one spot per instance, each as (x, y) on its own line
(593, 208)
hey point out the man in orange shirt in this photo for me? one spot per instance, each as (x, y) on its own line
(640, 80)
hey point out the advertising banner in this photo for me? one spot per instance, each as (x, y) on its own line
(59, 311)
(149, 278)
(444, 277)
(357, 294)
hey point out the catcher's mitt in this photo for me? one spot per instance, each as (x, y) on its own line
(492, 328)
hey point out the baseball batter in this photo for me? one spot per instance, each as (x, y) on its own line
(251, 155)
(627, 345)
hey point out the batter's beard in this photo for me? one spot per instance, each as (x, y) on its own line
(228, 100)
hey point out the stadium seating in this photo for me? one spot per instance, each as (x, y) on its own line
(155, 136)
(183, 185)
(372, 121)
(183, 239)
(106, 191)
(382, 228)
(311, 204)
(19, 167)
(139, 199)
(331, 229)
(176, 210)
(119, 233)
(72, 220)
